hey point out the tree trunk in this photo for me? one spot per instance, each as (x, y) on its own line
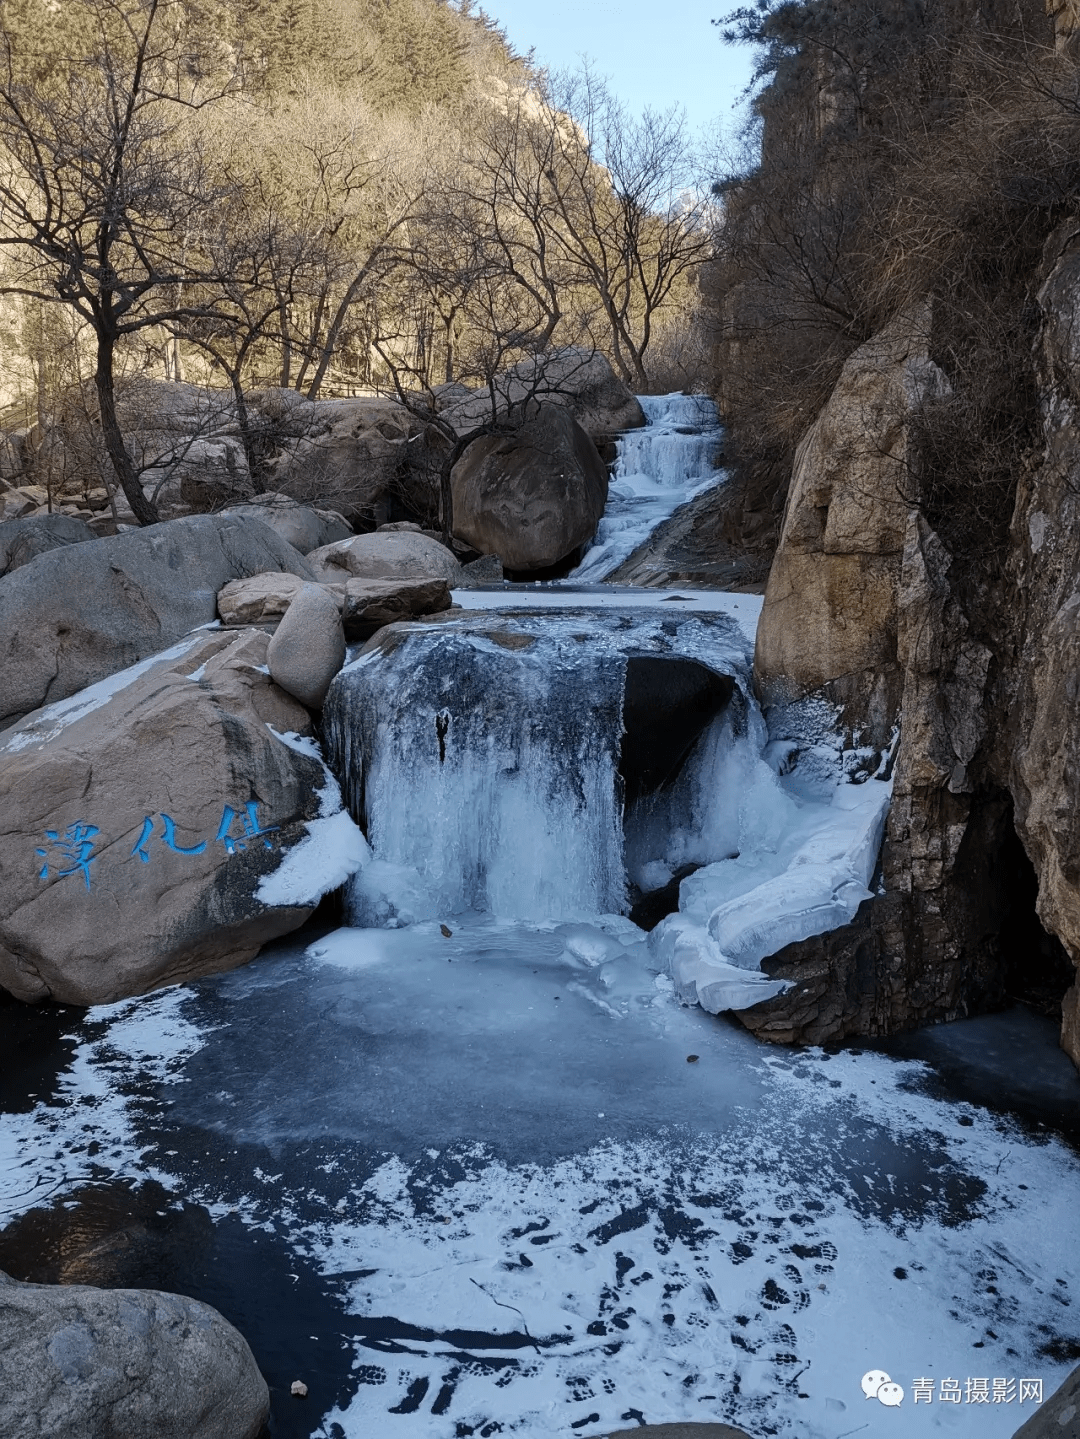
(286, 346)
(142, 508)
(243, 419)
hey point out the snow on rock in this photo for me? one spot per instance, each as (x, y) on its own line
(333, 850)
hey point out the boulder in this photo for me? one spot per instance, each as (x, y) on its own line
(370, 604)
(829, 623)
(388, 555)
(73, 616)
(81, 1363)
(211, 474)
(149, 821)
(364, 605)
(345, 455)
(298, 525)
(23, 540)
(308, 647)
(532, 497)
(579, 380)
(1058, 1417)
(260, 599)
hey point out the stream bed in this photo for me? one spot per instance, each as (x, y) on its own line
(465, 1157)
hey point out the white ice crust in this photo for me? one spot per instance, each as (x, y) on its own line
(736, 912)
(333, 850)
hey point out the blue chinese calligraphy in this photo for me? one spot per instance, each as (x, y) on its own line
(168, 826)
(249, 827)
(75, 848)
(72, 851)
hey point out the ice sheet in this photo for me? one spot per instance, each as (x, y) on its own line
(542, 1217)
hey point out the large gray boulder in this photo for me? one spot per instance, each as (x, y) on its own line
(149, 824)
(345, 455)
(298, 525)
(308, 647)
(387, 555)
(75, 615)
(531, 497)
(83, 1363)
(23, 540)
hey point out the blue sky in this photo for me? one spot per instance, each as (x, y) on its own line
(656, 53)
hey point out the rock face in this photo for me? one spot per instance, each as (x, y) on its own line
(1044, 753)
(141, 819)
(388, 555)
(829, 624)
(581, 381)
(23, 540)
(298, 525)
(308, 647)
(1058, 1417)
(75, 615)
(532, 497)
(981, 861)
(83, 1362)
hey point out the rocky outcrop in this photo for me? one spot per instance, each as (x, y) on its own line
(387, 555)
(981, 677)
(75, 615)
(298, 525)
(1043, 755)
(829, 624)
(308, 647)
(581, 381)
(83, 1362)
(532, 497)
(23, 540)
(145, 818)
(1058, 1417)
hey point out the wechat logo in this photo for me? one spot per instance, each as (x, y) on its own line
(876, 1384)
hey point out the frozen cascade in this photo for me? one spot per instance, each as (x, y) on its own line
(482, 754)
(657, 469)
(537, 765)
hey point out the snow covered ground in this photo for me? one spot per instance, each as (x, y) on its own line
(660, 467)
(548, 1199)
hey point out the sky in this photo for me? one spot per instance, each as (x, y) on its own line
(653, 54)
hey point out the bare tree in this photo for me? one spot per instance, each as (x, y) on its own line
(627, 217)
(103, 188)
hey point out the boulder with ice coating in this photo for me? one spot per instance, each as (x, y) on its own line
(485, 757)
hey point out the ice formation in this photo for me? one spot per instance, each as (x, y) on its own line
(658, 469)
(499, 762)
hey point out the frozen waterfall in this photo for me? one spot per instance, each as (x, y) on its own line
(657, 469)
(486, 759)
